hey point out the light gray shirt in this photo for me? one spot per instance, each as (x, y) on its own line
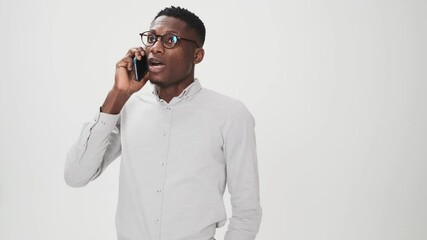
(176, 159)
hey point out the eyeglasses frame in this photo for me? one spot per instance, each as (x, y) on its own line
(161, 37)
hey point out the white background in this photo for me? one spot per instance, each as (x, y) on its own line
(338, 90)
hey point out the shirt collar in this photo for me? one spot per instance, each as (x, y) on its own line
(189, 91)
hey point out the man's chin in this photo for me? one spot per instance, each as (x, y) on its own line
(157, 82)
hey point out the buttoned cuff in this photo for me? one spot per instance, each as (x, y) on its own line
(105, 121)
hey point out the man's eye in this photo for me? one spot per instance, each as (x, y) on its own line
(151, 39)
(172, 39)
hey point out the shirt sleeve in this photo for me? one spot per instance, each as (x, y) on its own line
(98, 145)
(242, 174)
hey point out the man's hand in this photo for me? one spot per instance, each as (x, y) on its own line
(124, 82)
(125, 74)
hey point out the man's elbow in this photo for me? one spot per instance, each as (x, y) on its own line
(72, 181)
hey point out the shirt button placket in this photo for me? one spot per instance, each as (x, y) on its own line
(165, 134)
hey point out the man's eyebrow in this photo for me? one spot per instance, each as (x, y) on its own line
(171, 31)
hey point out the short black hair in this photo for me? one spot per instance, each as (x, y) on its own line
(188, 17)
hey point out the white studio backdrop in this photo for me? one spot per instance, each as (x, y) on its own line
(338, 90)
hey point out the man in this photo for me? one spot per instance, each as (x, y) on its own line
(180, 144)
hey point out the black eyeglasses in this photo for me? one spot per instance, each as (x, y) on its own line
(168, 40)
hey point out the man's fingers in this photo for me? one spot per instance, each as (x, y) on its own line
(137, 52)
(126, 63)
(121, 63)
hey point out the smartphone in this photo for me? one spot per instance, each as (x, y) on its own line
(140, 67)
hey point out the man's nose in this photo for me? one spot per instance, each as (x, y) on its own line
(157, 46)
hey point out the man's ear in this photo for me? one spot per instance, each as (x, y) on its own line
(199, 53)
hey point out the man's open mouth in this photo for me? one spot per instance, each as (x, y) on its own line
(154, 62)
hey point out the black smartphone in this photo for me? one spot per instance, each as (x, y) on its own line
(140, 67)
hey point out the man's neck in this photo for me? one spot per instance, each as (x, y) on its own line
(167, 93)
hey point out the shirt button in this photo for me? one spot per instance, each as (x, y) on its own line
(157, 220)
(159, 191)
(168, 108)
(163, 163)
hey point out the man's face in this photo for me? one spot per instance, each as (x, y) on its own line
(173, 66)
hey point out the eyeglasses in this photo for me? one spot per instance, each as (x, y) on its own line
(168, 40)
